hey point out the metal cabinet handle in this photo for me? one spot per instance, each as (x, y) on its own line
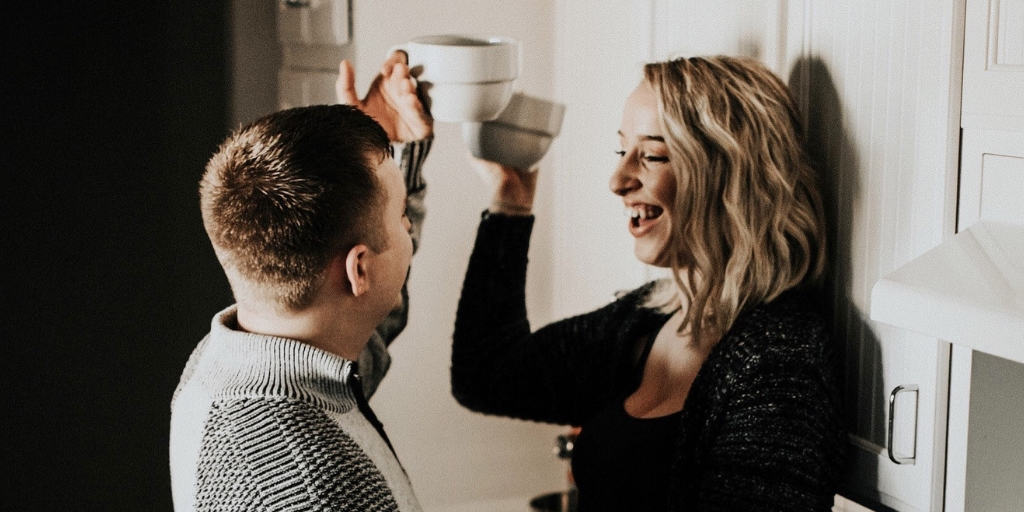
(892, 413)
(297, 3)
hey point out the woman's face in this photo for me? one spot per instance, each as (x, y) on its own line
(644, 177)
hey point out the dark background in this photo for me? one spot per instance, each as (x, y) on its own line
(111, 112)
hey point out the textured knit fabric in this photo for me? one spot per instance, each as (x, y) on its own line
(760, 429)
(266, 423)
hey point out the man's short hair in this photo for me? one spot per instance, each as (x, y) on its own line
(287, 192)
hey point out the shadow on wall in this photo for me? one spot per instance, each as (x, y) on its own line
(836, 160)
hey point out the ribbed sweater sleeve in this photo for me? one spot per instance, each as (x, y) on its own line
(375, 360)
(561, 373)
(410, 157)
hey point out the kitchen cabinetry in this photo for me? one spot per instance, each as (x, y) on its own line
(970, 289)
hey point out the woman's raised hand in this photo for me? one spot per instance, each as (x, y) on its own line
(513, 188)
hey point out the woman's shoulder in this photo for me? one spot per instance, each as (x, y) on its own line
(630, 311)
(789, 330)
(636, 296)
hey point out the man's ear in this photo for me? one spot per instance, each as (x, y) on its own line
(356, 262)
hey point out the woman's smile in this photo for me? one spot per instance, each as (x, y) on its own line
(642, 218)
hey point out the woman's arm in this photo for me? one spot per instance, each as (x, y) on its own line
(560, 373)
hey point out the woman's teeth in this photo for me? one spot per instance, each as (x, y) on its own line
(643, 212)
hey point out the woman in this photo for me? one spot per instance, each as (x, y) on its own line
(712, 390)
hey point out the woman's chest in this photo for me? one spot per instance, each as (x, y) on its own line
(667, 373)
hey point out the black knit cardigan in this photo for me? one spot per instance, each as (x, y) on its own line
(760, 429)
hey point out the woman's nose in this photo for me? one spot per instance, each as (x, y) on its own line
(624, 180)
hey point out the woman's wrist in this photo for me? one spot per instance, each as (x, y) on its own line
(514, 193)
(510, 208)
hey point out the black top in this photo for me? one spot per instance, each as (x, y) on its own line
(760, 429)
(623, 463)
(614, 440)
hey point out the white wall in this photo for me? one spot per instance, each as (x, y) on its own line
(876, 81)
(598, 57)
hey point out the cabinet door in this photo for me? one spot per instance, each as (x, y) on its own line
(994, 65)
(984, 453)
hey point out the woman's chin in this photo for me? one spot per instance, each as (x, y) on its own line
(652, 256)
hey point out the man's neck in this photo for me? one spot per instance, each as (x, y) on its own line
(337, 330)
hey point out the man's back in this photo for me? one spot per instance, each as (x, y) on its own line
(263, 423)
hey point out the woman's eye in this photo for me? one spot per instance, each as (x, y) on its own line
(621, 153)
(655, 158)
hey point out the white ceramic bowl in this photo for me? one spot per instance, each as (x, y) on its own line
(507, 145)
(520, 136)
(457, 102)
(464, 78)
(464, 59)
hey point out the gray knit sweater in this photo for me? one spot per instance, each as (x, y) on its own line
(266, 423)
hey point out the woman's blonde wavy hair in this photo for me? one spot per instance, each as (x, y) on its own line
(748, 220)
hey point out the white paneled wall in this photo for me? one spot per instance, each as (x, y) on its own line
(598, 55)
(876, 82)
(752, 28)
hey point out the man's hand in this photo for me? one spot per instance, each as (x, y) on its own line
(391, 100)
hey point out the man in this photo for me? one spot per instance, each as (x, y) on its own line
(314, 224)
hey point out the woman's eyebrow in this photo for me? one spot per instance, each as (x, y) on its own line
(657, 138)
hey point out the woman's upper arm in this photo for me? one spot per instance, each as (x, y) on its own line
(560, 373)
(500, 366)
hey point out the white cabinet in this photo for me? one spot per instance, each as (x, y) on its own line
(300, 87)
(993, 65)
(986, 408)
(969, 290)
(312, 35)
